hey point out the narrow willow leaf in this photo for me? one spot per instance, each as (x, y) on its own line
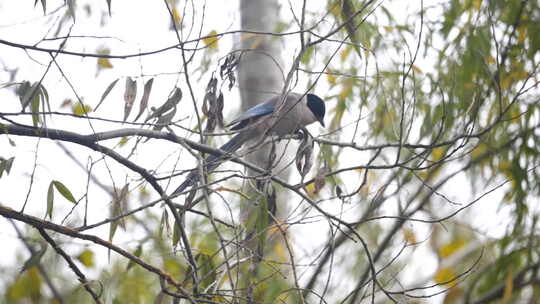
(107, 91)
(64, 191)
(303, 159)
(44, 4)
(129, 96)
(112, 231)
(145, 97)
(176, 234)
(34, 107)
(50, 200)
(2, 167)
(35, 258)
(71, 7)
(137, 253)
(109, 6)
(8, 163)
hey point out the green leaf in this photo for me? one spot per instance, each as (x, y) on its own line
(27, 92)
(176, 234)
(137, 253)
(2, 167)
(64, 191)
(50, 200)
(112, 230)
(35, 258)
(306, 57)
(34, 107)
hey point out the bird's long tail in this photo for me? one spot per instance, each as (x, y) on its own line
(213, 161)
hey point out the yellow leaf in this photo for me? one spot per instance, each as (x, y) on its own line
(27, 285)
(438, 153)
(310, 190)
(491, 60)
(409, 236)
(477, 4)
(388, 29)
(330, 77)
(211, 40)
(505, 166)
(81, 109)
(478, 151)
(86, 258)
(445, 276)
(335, 8)
(522, 34)
(346, 90)
(281, 253)
(104, 63)
(508, 287)
(176, 16)
(453, 295)
(506, 82)
(345, 53)
(452, 247)
(123, 141)
(416, 69)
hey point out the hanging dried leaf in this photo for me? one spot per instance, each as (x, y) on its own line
(173, 100)
(320, 179)
(303, 159)
(271, 203)
(107, 91)
(227, 69)
(338, 190)
(165, 120)
(5, 165)
(219, 110)
(145, 97)
(213, 105)
(210, 95)
(129, 96)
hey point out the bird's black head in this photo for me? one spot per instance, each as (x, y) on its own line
(316, 105)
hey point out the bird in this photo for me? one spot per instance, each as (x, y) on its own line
(277, 116)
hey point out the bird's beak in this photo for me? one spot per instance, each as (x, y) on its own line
(321, 122)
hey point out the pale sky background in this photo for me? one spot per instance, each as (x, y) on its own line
(143, 26)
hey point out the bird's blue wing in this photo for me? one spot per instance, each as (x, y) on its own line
(255, 112)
